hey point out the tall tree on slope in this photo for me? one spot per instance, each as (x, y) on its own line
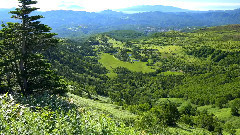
(23, 44)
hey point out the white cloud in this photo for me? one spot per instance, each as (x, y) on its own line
(98, 5)
(8, 3)
(46, 5)
(204, 5)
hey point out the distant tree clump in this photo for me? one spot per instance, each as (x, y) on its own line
(158, 117)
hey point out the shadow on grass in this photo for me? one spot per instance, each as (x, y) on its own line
(44, 100)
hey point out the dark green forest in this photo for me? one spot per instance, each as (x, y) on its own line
(118, 82)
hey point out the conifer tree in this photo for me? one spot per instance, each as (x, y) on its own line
(23, 43)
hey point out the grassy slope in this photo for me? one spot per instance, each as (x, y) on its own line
(102, 105)
(110, 63)
(51, 114)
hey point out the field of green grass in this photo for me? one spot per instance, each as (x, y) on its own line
(110, 62)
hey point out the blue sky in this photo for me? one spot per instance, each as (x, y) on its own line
(98, 5)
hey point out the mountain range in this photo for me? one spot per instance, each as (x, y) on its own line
(76, 23)
(151, 8)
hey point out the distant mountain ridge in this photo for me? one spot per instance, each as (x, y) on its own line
(76, 23)
(152, 8)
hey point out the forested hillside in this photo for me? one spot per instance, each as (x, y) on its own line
(195, 75)
(118, 82)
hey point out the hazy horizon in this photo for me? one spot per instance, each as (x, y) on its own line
(100, 5)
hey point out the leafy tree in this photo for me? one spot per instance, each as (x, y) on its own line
(150, 122)
(209, 122)
(187, 119)
(165, 114)
(170, 113)
(235, 107)
(188, 110)
(221, 101)
(23, 43)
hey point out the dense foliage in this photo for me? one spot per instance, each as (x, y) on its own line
(77, 62)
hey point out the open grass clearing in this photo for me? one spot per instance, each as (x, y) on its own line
(110, 62)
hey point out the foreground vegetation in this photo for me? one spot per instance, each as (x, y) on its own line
(50, 114)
